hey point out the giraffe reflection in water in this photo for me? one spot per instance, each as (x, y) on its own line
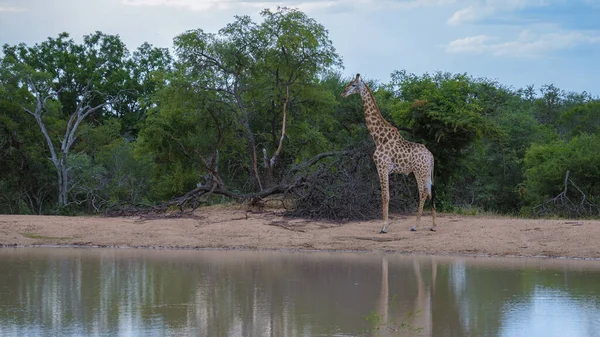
(80, 292)
(415, 319)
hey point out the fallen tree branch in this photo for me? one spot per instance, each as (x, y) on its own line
(344, 188)
(190, 201)
(315, 160)
(562, 205)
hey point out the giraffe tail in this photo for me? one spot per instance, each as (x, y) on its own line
(432, 196)
(431, 186)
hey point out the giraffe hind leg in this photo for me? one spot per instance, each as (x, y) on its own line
(423, 193)
(422, 197)
(385, 197)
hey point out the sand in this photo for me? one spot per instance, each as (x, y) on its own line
(235, 227)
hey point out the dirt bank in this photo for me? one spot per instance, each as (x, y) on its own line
(234, 227)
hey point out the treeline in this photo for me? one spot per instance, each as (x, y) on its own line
(91, 126)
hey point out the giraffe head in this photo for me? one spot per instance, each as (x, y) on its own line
(353, 87)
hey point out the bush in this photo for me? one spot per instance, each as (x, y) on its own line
(547, 164)
(347, 188)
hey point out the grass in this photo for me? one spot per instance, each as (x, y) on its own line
(37, 236)
(377, 322)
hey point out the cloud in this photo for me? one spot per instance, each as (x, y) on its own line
(207, 5)
(487, 8)
(528, 44)
(472, 44)
(304, 5)
(6, 9)
(195, 5)
(420, 3)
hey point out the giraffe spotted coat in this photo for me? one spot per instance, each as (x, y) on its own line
(394, 154)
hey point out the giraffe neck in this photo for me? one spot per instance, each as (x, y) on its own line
(378, 127)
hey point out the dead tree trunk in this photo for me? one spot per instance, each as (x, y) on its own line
(59, 157)
(271, 163)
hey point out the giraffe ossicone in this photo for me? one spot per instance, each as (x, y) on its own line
(394, 154)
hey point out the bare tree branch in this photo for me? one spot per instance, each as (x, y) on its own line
(201, 194)
(562, 204)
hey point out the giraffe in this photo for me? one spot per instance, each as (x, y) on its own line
(394, 154)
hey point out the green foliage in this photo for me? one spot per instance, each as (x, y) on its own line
(404, 328)
(548, 108)
(127, 177)
(74, 91)
(67, 68)
(580, 119)
(93, 138)
(547, 164)
(147, 68)
(113, 176)
(27, 181)
(446, 112)
(166, 125)
(181, 135)
(246, 74)
(494, 169)
(87, 181)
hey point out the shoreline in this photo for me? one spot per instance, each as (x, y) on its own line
(234, 228)
(290, 250)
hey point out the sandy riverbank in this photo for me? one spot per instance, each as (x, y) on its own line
(234, 227)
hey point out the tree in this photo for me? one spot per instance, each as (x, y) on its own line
(146, 68)
(445, 112)
(581, 118)
(547, 165)
(493, 172)
(263, 74)
(63, 84)
(26, 184)
(184, 134)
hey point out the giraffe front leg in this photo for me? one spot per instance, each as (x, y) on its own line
(385, 200)
(385, 197)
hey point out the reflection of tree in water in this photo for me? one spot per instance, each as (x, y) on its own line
(212, 295)
(467, 299)
(267, 294)
(478, 294)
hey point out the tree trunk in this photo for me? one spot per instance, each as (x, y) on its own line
(252, 151)
(244, 119)
(63, 181)
(270, 164)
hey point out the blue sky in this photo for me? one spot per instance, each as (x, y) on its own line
(516, 42)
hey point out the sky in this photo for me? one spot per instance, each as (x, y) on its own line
(515, 42)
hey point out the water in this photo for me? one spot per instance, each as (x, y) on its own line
(127, 292)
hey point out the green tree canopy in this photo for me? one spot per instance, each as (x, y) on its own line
(547, 164)
(448, 112)
(68, 87)
(264, 79)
